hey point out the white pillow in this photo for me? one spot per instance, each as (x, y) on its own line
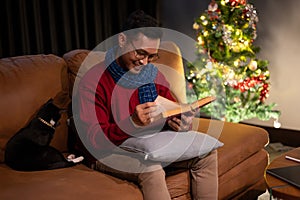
(170, 146)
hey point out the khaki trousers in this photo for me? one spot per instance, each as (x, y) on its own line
(150, 176)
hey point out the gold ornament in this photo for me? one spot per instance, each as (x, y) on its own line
(196, 26)
(236, 99)
(253, 65)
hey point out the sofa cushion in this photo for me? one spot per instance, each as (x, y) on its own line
(170, 146)
(241, 141)
(179, 185)
(171, 65)
(79, 61)
(77, 182)
(243, 175)
(26, 83)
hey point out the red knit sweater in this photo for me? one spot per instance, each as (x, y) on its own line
(105, 109)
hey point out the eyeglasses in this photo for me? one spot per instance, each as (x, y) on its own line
(142, 54)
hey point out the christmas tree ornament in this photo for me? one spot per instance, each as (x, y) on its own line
(234, 3)
(196, 26)
(250, 14)
(253, 65)
(200, 40)
(236, 99)
(213, 6)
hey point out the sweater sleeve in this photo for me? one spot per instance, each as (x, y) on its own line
(116, 132)
(98, 127)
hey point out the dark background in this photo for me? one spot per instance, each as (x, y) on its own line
(58, 26)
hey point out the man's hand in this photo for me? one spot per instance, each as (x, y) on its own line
(142, 113)
(183, 124)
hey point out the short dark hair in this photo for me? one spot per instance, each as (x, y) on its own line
(139, 21)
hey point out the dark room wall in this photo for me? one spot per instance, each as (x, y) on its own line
(179, 14)
(57, 26)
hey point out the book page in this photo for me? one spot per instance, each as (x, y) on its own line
(164, 104)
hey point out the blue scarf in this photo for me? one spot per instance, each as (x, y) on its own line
(144, 80)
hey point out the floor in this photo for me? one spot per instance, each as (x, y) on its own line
(274, 150)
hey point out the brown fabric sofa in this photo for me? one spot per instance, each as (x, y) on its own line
(27, 82)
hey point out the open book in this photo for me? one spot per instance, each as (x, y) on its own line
(167, 108)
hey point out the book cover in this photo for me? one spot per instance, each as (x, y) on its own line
(167, 108)
(289, 174)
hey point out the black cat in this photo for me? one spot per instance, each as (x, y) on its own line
(29, 150)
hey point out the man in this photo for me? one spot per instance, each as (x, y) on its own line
(115, 101)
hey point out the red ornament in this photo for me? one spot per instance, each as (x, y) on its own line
(213, 10)
(242, 88)
(190, 86)
(252, 82)
(234, 3)
(265, 86)
(264, 92)
(243, 2)
(262, 77)
(213, 6)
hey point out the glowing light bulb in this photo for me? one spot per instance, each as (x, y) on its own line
(276, 124)
(209, 65)
(196, 26)
(267, 73)
(238, 32)
(205, 33)
(200, 40)
(236, 63)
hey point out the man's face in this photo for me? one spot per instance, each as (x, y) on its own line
(140, 51)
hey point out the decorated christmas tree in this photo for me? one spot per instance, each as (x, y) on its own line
(227, 65)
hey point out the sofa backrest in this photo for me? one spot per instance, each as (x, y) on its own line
(79, 61)
(26, 83)
(171, 65)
